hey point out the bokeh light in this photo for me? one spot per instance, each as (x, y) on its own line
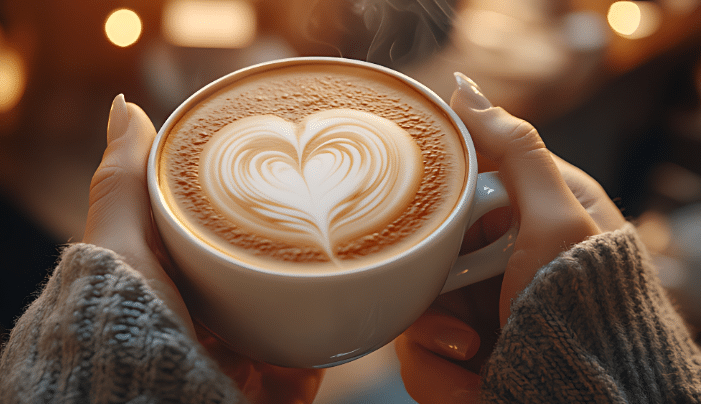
(634, 19)
(624, 17)
(123, 27)
(12, 78)
(209, 23)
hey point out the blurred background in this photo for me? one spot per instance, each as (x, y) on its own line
(613, 87)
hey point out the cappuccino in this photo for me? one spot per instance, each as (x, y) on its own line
(313, 167)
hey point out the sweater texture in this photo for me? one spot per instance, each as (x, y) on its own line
(595, 326)
(98, 334)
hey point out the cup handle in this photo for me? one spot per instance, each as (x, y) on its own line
(491, 260)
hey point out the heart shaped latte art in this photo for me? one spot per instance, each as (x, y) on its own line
(338, 175)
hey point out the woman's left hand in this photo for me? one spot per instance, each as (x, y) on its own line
(119, 218)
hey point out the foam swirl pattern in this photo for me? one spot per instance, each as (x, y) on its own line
(337, 175)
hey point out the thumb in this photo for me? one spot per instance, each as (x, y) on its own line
(551, 219)
(119, 216)
(120, 211)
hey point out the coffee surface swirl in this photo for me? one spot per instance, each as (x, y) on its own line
(313, 166)
(337, 175)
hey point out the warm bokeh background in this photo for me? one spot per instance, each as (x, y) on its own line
(613, 87)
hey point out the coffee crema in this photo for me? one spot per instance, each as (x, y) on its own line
(316, 166)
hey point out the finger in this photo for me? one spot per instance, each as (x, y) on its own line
(524, 162)
(235, 366)
(119, 201)
(119, 215)
(551, 219)
(478, 306)
(288, 385)
(444, 335)
(591, 195)
(269, 384)
(430, 379)
(262, 383)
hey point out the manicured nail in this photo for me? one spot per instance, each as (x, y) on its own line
(455, 343)
(119, 118)
(471, 94)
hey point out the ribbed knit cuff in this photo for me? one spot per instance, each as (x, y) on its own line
(595, 325)
(99, 334)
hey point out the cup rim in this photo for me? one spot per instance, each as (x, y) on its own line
(158, 201)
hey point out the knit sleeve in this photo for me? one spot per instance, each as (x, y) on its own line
(595, 326)
(97, 333)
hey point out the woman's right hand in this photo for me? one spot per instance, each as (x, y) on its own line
(556, 205)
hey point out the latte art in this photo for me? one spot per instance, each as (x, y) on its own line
(337, 175)
(312, 168)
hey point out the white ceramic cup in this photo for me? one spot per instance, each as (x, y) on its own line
(320, 320)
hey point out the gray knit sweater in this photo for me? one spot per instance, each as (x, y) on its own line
(594, 326)
(98, 334)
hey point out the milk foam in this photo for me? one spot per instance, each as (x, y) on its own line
(293, 93)
(335, 176)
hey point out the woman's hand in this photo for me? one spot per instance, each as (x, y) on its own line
(119, 218)
(556, 205)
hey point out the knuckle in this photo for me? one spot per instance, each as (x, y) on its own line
(524, 139)
(109, 179)
(103, 182)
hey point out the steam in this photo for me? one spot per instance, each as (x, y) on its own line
(387, 32)
(404, 30)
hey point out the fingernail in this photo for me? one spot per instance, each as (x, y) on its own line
(119, 118)
(471, 94)
(455, 342)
